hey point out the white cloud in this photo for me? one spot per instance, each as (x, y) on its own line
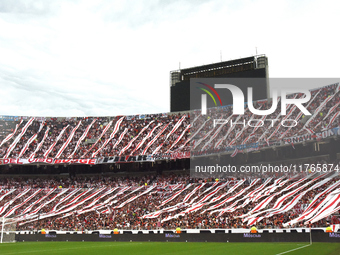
(65, 58)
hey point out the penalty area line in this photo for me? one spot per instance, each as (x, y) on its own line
(294, 249)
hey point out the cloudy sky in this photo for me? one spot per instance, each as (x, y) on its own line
(99, 58)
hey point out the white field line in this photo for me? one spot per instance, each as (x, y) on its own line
(294, 249)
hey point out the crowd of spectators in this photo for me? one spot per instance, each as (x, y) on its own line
(35, 202)
(214, 131)
(150, 192)
(147, 131)
(164, 133)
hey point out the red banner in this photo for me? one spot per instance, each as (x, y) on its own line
(47, 161)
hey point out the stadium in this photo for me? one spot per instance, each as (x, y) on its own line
(154, 127)
(131, 179)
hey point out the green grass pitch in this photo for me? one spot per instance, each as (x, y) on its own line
(150, 248)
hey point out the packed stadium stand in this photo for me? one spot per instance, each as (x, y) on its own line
(166, 200)
(78, 138)
(153, 202)
(210, 138)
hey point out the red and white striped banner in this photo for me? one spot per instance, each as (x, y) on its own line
(6, 205)
(328, 208)
(64, 199)
(6, 194)
(178, 138)
(134, 197)
(236, 136)
(12, 134)
(206, 197)
(13, 209)
(171, 132)
(154, 139)
(252, 133)
(288, 206)
(238, 184)
(72, 205)
(331, 110)
(231, 128)
(78, 201)
(255, 192)
(17, 139)
(268, 190)
(279, 115)
(69, 139)
(40, 144)
(296, 119)
(335, 116)
(312, 209)
(50, 191)
(326, 214)
(134, 139)
(300, 115)
(74, 200)
(231, 198)
(146, 137)
(30, 141)
(316, 112)
(309, 130)
(120, 138)
(175, 195)
(34, 213)
(110, 191)
(176, 126)
(234, 153)
(55, 142)
(279, 202)
(198, 130)
(99, 138)
(82, 138)
(203, 138)
(188, 196)
(208, 189)
(218, 130)
(115, 130)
